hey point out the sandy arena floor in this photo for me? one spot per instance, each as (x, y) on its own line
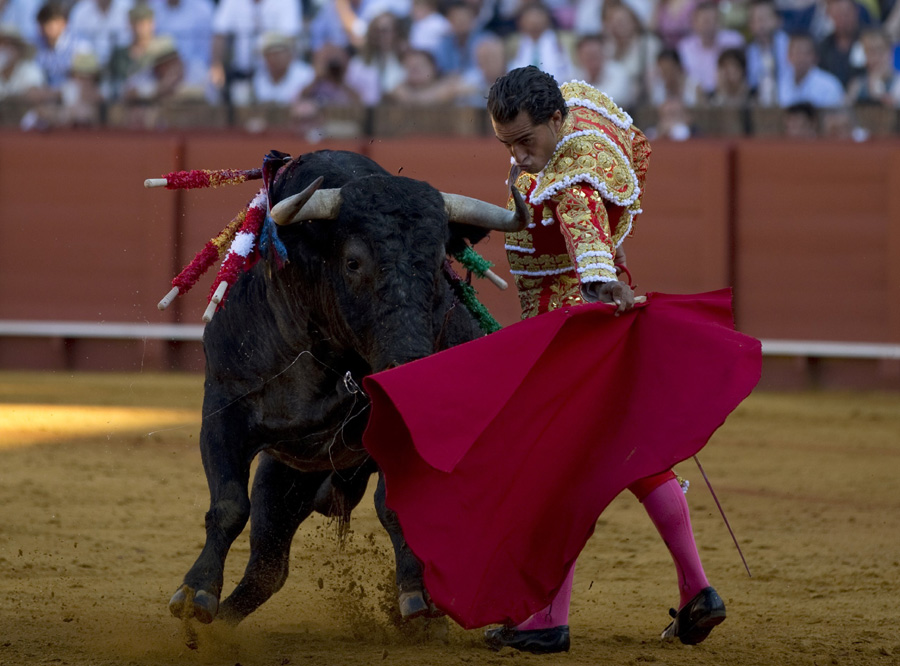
(102, 497)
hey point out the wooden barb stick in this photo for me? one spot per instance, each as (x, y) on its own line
(168, 298)
(214, 302)
(496, 279)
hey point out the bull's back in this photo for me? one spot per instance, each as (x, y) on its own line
(336, 167)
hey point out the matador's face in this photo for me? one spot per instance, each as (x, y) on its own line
(531, 145)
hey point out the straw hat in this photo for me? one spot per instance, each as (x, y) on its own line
(275, 40)
(140, 12)
(160, 50)
(84, 63)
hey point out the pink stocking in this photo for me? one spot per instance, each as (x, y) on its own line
(668, 509)
(557, 613)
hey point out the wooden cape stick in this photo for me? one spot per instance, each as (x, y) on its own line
(722, 511)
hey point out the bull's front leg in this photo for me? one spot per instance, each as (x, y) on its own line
(227, 467)
(412, 596)
(282, 499)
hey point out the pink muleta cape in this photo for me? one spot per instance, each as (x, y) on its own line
(500, 454)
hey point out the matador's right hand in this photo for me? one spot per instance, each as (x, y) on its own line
(615, 292)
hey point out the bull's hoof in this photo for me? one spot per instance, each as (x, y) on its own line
(415, 604)
(412, 605)
(200, 605)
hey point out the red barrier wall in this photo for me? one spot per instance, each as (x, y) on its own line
(82, 239)
(681, 244)
(806, 232)
(818, 240)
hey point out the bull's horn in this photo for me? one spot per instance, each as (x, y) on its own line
(485, 215)
(308, 205)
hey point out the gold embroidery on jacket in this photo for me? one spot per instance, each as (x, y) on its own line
(545, 263)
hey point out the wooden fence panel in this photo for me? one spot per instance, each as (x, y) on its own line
(816, 238)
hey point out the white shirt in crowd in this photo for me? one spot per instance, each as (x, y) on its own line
(247, 21)
(427, 34)
(103, 30)
(547, 52)
(286, 91)
(25, 76)
(615, 82)
(820, 88)
(23, 15)
(372, 80)
(189, 22)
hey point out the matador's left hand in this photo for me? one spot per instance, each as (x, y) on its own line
(613, 291)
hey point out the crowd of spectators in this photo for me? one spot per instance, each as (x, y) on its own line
(69, 62)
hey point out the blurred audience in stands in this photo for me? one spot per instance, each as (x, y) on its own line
(428, 26)
(490, 65)
(767, 51)
(377, 68)
(238, 26)
(841, 124)
(700, 50)
(670, 81)
(805, 81)
(631, 46)
(673, 122)
(840, 52)
(189, 23)
(126, 61)
(313, 113)
(103, 24)
(165, 79)
(732, 90)
(537, 42)
(587, 17)
(56, 45)
(592, 65)
(672, 21)
(283, 77)
(23, 15)
(82, 102)
(356, 16)
(329, 87)
(879, 83)
(21, 77)
(456, 51)
(801, 121)
(309, 56)
(422, 84)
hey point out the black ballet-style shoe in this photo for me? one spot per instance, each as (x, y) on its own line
(536, 641)
(696, 619)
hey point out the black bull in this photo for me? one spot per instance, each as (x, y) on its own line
(363, 289)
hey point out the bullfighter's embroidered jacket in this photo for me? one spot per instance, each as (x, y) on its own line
(583, 203)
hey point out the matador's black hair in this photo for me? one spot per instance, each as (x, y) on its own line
(525, 89)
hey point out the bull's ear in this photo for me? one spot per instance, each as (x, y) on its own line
(462, 235)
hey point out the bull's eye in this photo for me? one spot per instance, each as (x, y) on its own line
(352, 264)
